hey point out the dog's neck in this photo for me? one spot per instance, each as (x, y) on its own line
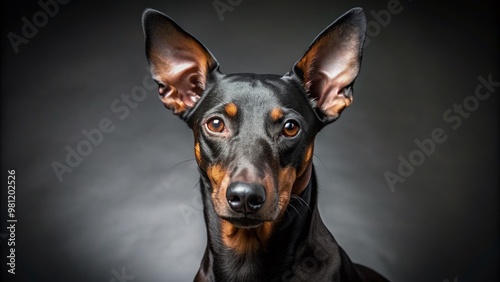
(289, 235)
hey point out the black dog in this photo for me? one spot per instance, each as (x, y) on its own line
(254, 138)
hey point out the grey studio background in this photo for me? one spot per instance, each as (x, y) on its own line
(408, 175)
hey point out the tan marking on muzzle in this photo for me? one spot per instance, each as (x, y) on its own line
(197, 152)
(286, 178)
(305, 172)
(245, 240)
(307, 158)
(219, 180)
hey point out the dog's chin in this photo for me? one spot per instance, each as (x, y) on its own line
(245, 222)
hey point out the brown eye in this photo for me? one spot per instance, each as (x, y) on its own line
(215, 125)
(290, 129)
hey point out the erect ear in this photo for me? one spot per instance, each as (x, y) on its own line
(331, 64)
(178, 62)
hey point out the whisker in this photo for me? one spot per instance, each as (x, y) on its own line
(302, 202)
(291, 205)
(196, 185)
(319, 159)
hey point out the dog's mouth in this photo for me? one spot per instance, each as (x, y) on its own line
(244, 222)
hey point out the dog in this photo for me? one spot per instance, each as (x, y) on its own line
(253, 143)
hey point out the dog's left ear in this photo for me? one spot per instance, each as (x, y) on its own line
(179, 63)
(331, 64)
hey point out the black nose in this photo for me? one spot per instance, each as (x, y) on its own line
(245, 198)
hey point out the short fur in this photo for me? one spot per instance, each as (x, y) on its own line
(254, 140)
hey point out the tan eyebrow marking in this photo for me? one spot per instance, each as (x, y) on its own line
(231, 110)
(276, 114)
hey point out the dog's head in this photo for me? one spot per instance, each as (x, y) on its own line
(254, 133)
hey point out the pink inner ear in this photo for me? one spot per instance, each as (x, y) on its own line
(189, 80)
(328, 92)
(331, 64)
(327, 71)
(178, 62)
(326, 81)
(184, 75)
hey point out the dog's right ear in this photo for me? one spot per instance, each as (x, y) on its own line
(179, 63)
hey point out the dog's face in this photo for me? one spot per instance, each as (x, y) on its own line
(256, 130)
(254, 133)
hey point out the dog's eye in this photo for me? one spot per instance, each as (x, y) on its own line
(215, 125)
(290, 129)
